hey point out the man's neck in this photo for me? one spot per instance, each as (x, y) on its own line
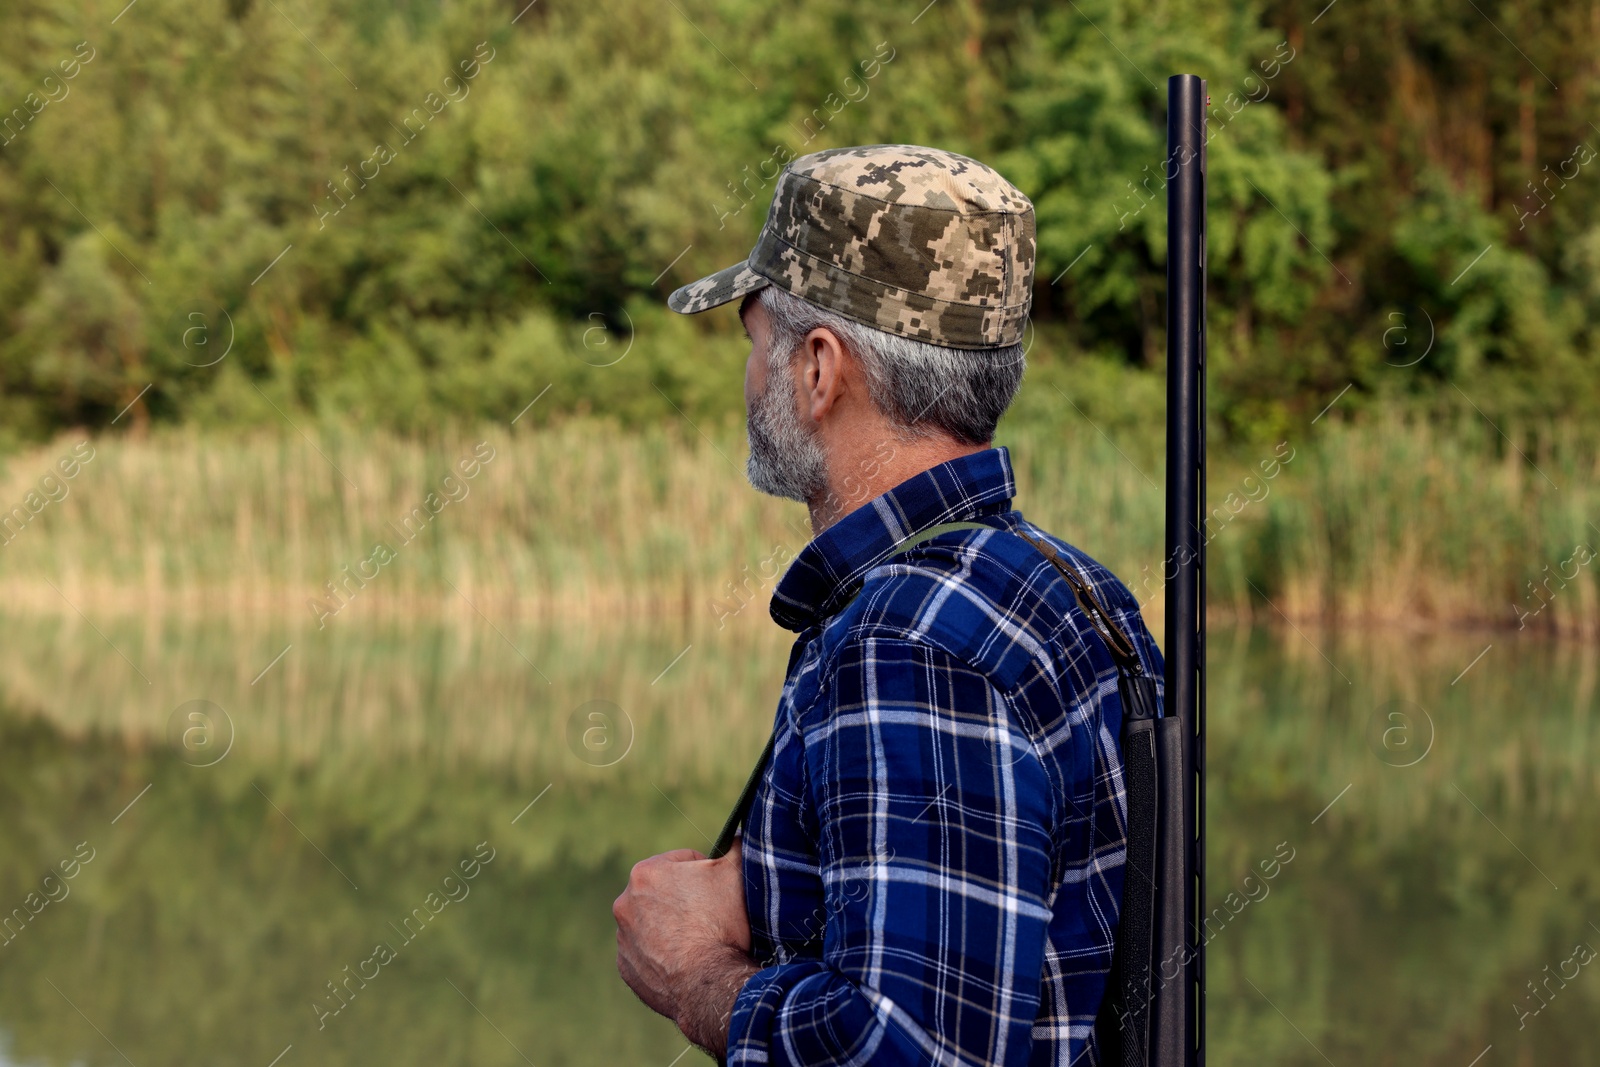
(866, 468)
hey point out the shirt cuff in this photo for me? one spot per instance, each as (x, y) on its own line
(753, 1026)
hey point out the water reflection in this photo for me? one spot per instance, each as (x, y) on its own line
(306, 894)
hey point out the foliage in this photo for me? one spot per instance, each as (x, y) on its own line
(452, 244)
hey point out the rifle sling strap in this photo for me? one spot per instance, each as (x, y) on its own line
(1116, 642)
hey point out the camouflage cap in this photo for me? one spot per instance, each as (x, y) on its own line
(911, 240)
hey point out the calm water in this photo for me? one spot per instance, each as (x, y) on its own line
(230, 859)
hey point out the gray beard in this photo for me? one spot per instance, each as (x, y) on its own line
(785, 459)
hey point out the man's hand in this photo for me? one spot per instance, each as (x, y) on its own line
(683, 940)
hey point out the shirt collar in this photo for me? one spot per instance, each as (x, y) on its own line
(831, 565)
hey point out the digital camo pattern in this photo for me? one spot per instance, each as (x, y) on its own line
(916, 241)
(729, 283)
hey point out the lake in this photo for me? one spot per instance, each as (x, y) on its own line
(210, 826)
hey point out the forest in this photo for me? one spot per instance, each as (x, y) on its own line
(238, 214)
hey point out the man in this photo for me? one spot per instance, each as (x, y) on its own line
(933, 862)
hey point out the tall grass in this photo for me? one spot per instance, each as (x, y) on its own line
(1392, 521)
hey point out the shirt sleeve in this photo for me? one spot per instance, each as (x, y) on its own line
(935, 818)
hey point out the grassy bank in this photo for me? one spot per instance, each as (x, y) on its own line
(1390, 521)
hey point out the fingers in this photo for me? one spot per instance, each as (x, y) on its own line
(679, 855)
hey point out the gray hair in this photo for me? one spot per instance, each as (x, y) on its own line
(921, 388)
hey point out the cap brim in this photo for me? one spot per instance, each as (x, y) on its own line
(713, 290)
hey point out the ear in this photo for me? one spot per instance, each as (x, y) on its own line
(824, 363)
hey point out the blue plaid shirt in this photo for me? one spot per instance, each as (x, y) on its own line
(933, 864)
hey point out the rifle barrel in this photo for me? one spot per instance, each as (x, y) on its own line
(1185, 543)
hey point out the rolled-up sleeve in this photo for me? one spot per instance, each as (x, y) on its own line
(935, 818)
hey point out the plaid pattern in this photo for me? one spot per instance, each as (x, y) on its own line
(934, 861)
